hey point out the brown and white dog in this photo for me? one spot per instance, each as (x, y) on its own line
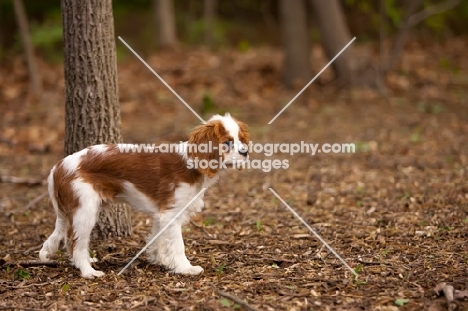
(157, 183)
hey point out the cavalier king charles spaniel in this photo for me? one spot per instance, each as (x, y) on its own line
(157, 183)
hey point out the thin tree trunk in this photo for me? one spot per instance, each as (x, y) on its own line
(34, 76)
(295, 41)
(334, 34)
(91, 104)
(411, 7)
(209, 15)
(166, 22)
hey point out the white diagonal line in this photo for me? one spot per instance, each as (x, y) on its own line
(162, 80)
(313, 79)
(313, 231)
(161, 231)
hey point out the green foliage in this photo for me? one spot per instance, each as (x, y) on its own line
(22, 274)
(208, 105)
(228, 304)
(65, 287)
(394, 12)
(220, 269)
(243, 45)
(358, 269)
(47, 37)
(401, 301)
(224, 302)
(210, 220)
(195, 33)
(259, 225)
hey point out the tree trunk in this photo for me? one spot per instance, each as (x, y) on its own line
(34, 76)
(209, 15)
(334, 34)
(92, 112)
(166, 22)
(293, 16)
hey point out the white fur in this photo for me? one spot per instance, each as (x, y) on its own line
(83, 223)
(231, 126)
(99, 148)
(137, 199)
(168, 249)
(72, 162)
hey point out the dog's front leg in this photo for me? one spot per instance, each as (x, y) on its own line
(169, 250)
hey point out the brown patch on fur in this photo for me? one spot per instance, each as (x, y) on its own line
(67, 201)
(244, 135)
(154, 174)
(213, 132)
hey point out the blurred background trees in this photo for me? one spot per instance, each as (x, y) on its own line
(296, 25)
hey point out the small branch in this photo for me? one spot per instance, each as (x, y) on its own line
(34, 248)
(412, 20)
(33, 263)
(432, 10)
(35, 201)
(401, 36)
(34, 77)
(236, 300)
(38, 263)
(22, 180)
(30, 204)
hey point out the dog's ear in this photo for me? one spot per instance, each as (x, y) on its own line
(244, 135)
(204, 144)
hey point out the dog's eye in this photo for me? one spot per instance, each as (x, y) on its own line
(228, 143)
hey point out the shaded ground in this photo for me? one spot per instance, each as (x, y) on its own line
(396, 210)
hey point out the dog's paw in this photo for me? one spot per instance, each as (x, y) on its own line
(91, 274)
(92, 259)
(192, 270)
(44, 255)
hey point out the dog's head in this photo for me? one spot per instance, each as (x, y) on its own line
(221, 141)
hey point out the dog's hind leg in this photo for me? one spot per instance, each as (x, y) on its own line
(84, 219)
(51, 245)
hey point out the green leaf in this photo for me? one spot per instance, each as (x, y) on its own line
(401, 301)
(22, 274)
(208, 221)
(358, 269)
(259, 225)
(207, 103)
(224, 302)
(65, 287)
(220, 269)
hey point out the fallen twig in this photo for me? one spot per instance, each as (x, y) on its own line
(22, 180)
(34, 248)
(35, 263)
(236, 300)
(30, 204)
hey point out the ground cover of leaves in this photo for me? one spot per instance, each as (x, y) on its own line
(396, 210)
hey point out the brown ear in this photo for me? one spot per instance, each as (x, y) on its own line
(203, 135)
(244, 135)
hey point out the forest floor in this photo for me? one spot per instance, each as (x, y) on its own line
(396, 210)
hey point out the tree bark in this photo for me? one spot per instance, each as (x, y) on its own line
(166, 22)
(92, 112)
(334, 34)
(23, 25)
(293, 16)
(209, 15)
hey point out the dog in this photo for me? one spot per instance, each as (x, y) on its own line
(157, 183)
